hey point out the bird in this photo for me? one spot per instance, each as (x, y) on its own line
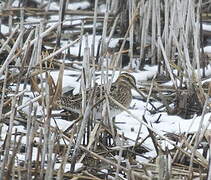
(120, 91)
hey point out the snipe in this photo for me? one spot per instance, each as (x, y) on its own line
(120, 90)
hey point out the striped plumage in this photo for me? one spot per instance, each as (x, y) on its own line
(120, 90)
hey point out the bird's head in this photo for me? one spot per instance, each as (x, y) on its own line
(127, 79)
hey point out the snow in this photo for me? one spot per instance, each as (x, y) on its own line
(102, 8)
(62, 124)
(206, 27)
(15, 3)
(126, 124)
(130, 126)
(54, 6)
(4, 29)
(207, 49)
(21, 157)
(68, 166)
(75, 49)
(113, 42)
(72, 6)
(78, 5)
(68, 81)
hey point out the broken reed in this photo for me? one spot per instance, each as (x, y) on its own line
(145, 20)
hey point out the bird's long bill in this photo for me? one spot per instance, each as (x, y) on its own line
(138, 91)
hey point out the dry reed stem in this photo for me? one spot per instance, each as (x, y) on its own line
(198, 132)
(91, 140)
(185, 19)
(2, 98)
(81, 131)
(9, 136)
(94, 29)
(203, 162)
(60, 50)
(8, 39)
(110, 162)
(167, 62)
(58, 87)
(9, 57)
(60, 173)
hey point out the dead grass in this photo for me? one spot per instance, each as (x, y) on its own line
(28, 55)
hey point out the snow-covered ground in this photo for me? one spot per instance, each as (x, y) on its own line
(126, 124)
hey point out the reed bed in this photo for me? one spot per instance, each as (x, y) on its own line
(166, 34)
